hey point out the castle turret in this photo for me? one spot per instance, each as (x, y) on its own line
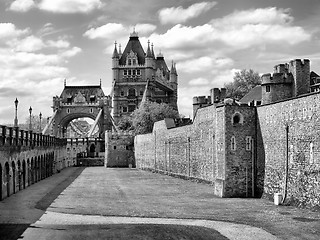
(288, 80)
(149, 62)
(300, 70)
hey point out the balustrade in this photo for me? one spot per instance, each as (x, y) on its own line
(13, 136)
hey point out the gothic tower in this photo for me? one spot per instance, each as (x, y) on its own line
(132, 70)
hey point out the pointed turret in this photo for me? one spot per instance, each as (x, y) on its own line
(120, 52)
(173, 70)
(149, 53)
(115, 51)
(152, 52)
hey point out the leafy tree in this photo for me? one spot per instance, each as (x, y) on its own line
(125, 123)
(35, 122)
(149, 113)
(243, 82)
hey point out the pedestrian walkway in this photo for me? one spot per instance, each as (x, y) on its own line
(135, 204)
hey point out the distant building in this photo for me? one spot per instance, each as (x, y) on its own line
(132, 70)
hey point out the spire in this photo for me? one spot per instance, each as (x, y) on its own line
(115, 51)
(100, 82)
(149, 53)
(160, 55)
(120, 52)
(134, 34)
(65, 82)
(152, 52)
(173, 68)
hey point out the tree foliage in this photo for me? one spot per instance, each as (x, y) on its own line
(243, 82)
(141, 120)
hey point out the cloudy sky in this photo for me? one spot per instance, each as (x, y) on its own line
(43, 42)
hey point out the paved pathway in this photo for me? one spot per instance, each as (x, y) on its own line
(134, 204)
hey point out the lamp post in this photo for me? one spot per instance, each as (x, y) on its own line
(30, 124)
(16, 113)
(40, 116)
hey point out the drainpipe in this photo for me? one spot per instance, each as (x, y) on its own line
(287, 166)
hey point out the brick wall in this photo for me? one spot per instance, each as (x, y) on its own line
(290, 132)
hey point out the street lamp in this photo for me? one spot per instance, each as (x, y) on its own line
(40, 116)
(30, 124)
(16, 114)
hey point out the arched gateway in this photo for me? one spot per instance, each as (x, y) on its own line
(79, 102)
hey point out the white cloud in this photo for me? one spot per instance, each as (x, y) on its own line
(204, 64)
(58, 44)
(180, 37)
(145, 28)
(107, 31)
(22, 5)
(199, 81)
(181, 15)
(28, 73)
(30, 44)
(71, 52)
(70, 6)
(243, 29)
(9, 31)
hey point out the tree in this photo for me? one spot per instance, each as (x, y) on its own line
(149, 113)
(35, 123)
(243, 82)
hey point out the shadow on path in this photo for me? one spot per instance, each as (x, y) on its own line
(12, 231)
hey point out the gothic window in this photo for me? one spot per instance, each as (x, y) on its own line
(68, 110)
(114, 147)
(233, 143)
(141, 93)
(124, 109)
(131, 108)
(122, 93)
(133, 72)
(129, 61)
(267, 88)
(91, 110)
(133, 62)
(237, 118)
(125, 72)
(138, 72)
(132, 92)
(248, 143)
(129, 72)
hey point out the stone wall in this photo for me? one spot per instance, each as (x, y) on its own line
(202, 150)
(290, 132)
(119, 150)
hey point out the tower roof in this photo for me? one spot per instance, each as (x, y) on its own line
(149, 52)
(115, 51)
(135, 46)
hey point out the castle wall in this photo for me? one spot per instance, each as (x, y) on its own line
(291, 146)
(119, 150)
(202, 150)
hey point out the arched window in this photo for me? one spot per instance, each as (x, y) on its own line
(132, 92)
(237, 118)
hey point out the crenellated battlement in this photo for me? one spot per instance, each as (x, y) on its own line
(277, 78)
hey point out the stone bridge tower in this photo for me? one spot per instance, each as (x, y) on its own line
(77, 102)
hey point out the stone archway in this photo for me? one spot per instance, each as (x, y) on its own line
(24, 174)
(13, 177)
(19, 175)
(81, 101)
(7, 173)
